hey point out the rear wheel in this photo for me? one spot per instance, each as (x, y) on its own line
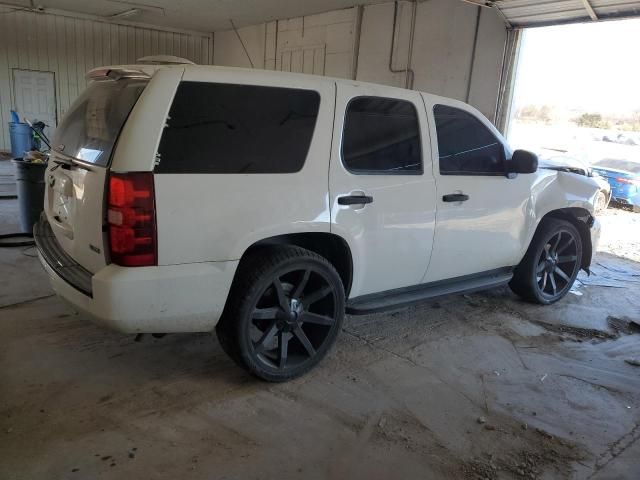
(284, 314)
(552, 262)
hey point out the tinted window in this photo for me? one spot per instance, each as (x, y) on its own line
(381, 136)
(223, 128)
(466, 146)
(90, 128)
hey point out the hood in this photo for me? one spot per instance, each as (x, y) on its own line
(564, 163)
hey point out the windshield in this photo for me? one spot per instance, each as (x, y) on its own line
(91, 127)
(617, 164)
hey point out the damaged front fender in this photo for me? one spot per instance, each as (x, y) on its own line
(560, 190)
(572, 198)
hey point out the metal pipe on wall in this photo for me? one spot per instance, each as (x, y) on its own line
(409, 73)
(414, 13)
(356, 41)
(474, 48)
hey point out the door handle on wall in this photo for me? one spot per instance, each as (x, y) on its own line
(455, 197)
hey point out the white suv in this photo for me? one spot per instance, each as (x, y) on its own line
(262, 204)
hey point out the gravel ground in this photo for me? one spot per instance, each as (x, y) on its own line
(620, 233)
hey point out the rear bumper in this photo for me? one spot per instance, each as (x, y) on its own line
(162, 299)
(630, 201)
(626, 195)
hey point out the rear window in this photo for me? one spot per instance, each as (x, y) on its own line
(226, 128)
(91, 127)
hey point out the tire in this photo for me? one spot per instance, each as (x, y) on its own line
(600, 203)
(550, 267)
(284, 312)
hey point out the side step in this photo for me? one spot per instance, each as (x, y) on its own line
(405, 297)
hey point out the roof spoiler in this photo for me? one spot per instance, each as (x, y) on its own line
(116, 74)
(164, 60)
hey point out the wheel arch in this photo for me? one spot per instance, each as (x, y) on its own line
(328, 245)
(582, 219)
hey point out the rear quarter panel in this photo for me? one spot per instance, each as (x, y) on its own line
(216, 217)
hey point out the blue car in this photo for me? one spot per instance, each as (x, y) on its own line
(624, 178)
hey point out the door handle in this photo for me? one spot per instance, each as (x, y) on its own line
(355, 200)
(455, 197)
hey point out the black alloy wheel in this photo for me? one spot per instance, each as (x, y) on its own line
(286, 313)
(552, 263)
(557, 264)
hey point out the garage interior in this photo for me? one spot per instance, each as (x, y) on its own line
(470, 386)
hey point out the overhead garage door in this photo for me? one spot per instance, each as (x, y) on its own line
(532, 13)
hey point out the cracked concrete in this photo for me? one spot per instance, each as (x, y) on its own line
(399, 397)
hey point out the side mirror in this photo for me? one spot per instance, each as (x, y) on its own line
(523, 161)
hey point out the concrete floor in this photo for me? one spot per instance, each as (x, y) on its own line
(475, 386)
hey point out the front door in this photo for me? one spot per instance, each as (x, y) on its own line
(35, 97)
(381, 186)
(481, 221)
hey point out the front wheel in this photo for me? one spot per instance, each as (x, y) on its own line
(552, 262)
(600, 203)
(285, 311)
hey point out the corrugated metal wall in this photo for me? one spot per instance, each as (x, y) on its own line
(70, 47)
(364, 48)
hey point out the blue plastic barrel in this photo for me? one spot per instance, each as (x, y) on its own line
(21, 139)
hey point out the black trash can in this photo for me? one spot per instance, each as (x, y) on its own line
(30, 186)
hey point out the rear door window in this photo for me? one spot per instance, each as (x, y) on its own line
(381, 137)
(226, 128)
(89, 130)
(465, 145)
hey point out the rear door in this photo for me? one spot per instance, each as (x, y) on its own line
(78, 167)
(382, 191)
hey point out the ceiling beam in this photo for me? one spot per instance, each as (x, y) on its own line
(590, 10)
(491, 4)
(503, 17)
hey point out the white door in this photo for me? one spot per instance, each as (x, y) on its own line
(35, 97)
(381, 186)
(481, 221)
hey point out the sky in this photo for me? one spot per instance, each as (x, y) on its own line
(595, 67)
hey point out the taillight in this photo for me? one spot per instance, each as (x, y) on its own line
(628, 181)
(131, 216)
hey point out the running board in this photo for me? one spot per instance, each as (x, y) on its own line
(405, 297)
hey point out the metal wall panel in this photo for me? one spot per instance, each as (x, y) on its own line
(531, 13)
(70, 46)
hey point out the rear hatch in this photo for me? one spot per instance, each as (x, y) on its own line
(78, 168)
